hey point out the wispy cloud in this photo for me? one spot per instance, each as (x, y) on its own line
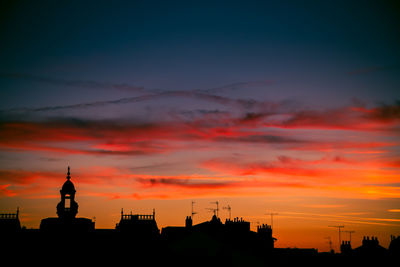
(249, 113)
(73, 83)
(261, 168)
(345, 118)
(108, 181)
(119, 182)
(236, 86)
(5, 191)
(282, 165)
(121, 137)
(134, 137)
(95, 84)
(209, 95)
(240, 103)
(323, 206)
(185, 182)
(384, 112)
(326, 174)
(387, 185)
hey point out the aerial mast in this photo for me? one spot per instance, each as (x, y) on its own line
(217, 209)
(338, 227)
(350, 232)
(229, 210)
(193, 212)
(272, 218)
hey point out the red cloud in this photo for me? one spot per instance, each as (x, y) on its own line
(347, 118)
(119, 137)
(384, 113)
(4, 191)
(93, 137)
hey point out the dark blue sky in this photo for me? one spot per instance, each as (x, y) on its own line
(313, 50)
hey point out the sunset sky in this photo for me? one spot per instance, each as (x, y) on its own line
(291, 107)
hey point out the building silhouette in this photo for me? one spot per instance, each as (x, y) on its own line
(138, 226)
(216, 241)
(370, 248)
(394, 247)
(9, 223)
(67, 209)
(345, 247)
(265, 233)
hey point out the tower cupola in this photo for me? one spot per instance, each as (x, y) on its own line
(67, 208)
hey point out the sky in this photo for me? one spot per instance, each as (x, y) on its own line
(281, 107)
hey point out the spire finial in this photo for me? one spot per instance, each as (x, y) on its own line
(68, 174)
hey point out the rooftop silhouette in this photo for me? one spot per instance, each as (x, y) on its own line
(139, 235)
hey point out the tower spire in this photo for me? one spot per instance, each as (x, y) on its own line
(68, 174)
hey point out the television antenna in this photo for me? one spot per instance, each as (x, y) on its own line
(217, 209)
(272, 218)
(350, 232)
(338, 227)
(213, 210)
(229, 210)
(193, 212)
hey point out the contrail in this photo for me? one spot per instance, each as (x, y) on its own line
(244, 103)
(200, 94)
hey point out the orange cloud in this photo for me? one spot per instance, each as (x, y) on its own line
(352, 178)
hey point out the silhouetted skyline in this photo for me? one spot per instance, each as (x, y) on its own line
(267, 107)
(209, 241)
